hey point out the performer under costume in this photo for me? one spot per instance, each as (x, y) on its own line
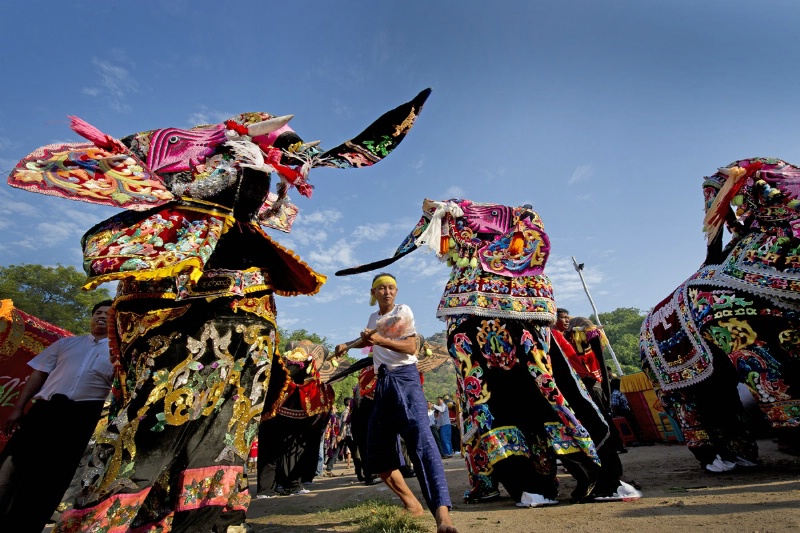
(498, 306)
(736, 320)
(290, 439)
(193, 328)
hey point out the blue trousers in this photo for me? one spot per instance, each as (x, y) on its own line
(401, 409)
(446, 439)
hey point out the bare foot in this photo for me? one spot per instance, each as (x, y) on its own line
(444, 523)
(415, 510)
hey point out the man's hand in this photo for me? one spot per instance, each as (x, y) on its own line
(12, 422)
(340, 350)
(366, 336)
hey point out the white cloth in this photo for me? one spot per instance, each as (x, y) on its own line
(385, 356)
(442, 415)
(77, 367)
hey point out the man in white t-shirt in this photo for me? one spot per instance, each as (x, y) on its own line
(400, 407)
(69, 384)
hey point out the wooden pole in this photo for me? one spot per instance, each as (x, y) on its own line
(579, 270)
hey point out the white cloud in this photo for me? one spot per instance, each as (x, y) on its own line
(582, 173)
(342, 110)
(7, 144)
(205, 115)
(337, 255)
(453, 192)
(421, 265)
(57, 234)
(18, 209)
(345, 291)
(372, 232)
(381, 49)
(567, 284)
(116, 82)
(418, 164)
(326, 217)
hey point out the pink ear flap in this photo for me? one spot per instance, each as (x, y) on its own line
(89, 173)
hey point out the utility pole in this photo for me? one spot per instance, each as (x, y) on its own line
(579, 270)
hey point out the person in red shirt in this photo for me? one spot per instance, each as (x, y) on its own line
(574, 344)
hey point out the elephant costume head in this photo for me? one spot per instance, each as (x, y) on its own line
(228, 163)
(756, 194)
(497, 254)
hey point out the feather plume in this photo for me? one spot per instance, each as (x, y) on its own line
(249, 155)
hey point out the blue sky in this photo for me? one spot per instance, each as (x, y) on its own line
(604, 116)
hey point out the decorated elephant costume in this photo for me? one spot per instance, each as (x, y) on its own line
(289, 436)
(498, 306)
(193, 329)
(735, 320)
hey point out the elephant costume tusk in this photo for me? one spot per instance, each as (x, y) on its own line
(268, 126)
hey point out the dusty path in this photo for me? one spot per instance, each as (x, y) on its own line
(678, 497)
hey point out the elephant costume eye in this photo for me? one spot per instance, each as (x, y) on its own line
(173, 139)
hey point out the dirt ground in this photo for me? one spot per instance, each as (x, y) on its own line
(678, 496)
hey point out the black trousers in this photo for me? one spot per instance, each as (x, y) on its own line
(287, 452)
(39, 461)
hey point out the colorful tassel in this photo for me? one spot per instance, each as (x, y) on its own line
(87, 131)
(517, 244)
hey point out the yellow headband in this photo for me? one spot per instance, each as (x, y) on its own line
(381, 280)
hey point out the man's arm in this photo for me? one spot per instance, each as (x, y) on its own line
(407, 345)
(341, 349)
(32, 386)
(371, 337)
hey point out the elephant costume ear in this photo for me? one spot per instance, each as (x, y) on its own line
(102, 172)
(378, 140)
(406, 247)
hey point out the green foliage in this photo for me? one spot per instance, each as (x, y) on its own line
(622, 327)
(53, 294)
(440, 381)
(299, 335)
(344, 387)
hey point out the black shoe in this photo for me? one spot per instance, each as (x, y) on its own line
(371, 480)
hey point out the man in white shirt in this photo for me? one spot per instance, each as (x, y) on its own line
(400, 406)
(70, 381)
(444, 427)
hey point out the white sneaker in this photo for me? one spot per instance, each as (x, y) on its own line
(243, 528)
(718, 465)
(741, 461)
(534, 500)
(625, 493)
(301, 491)
(265, 496)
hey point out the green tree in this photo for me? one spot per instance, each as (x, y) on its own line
(622, 327)
(299, 335)
(53, 294)
(440, 381)
(343, 387)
